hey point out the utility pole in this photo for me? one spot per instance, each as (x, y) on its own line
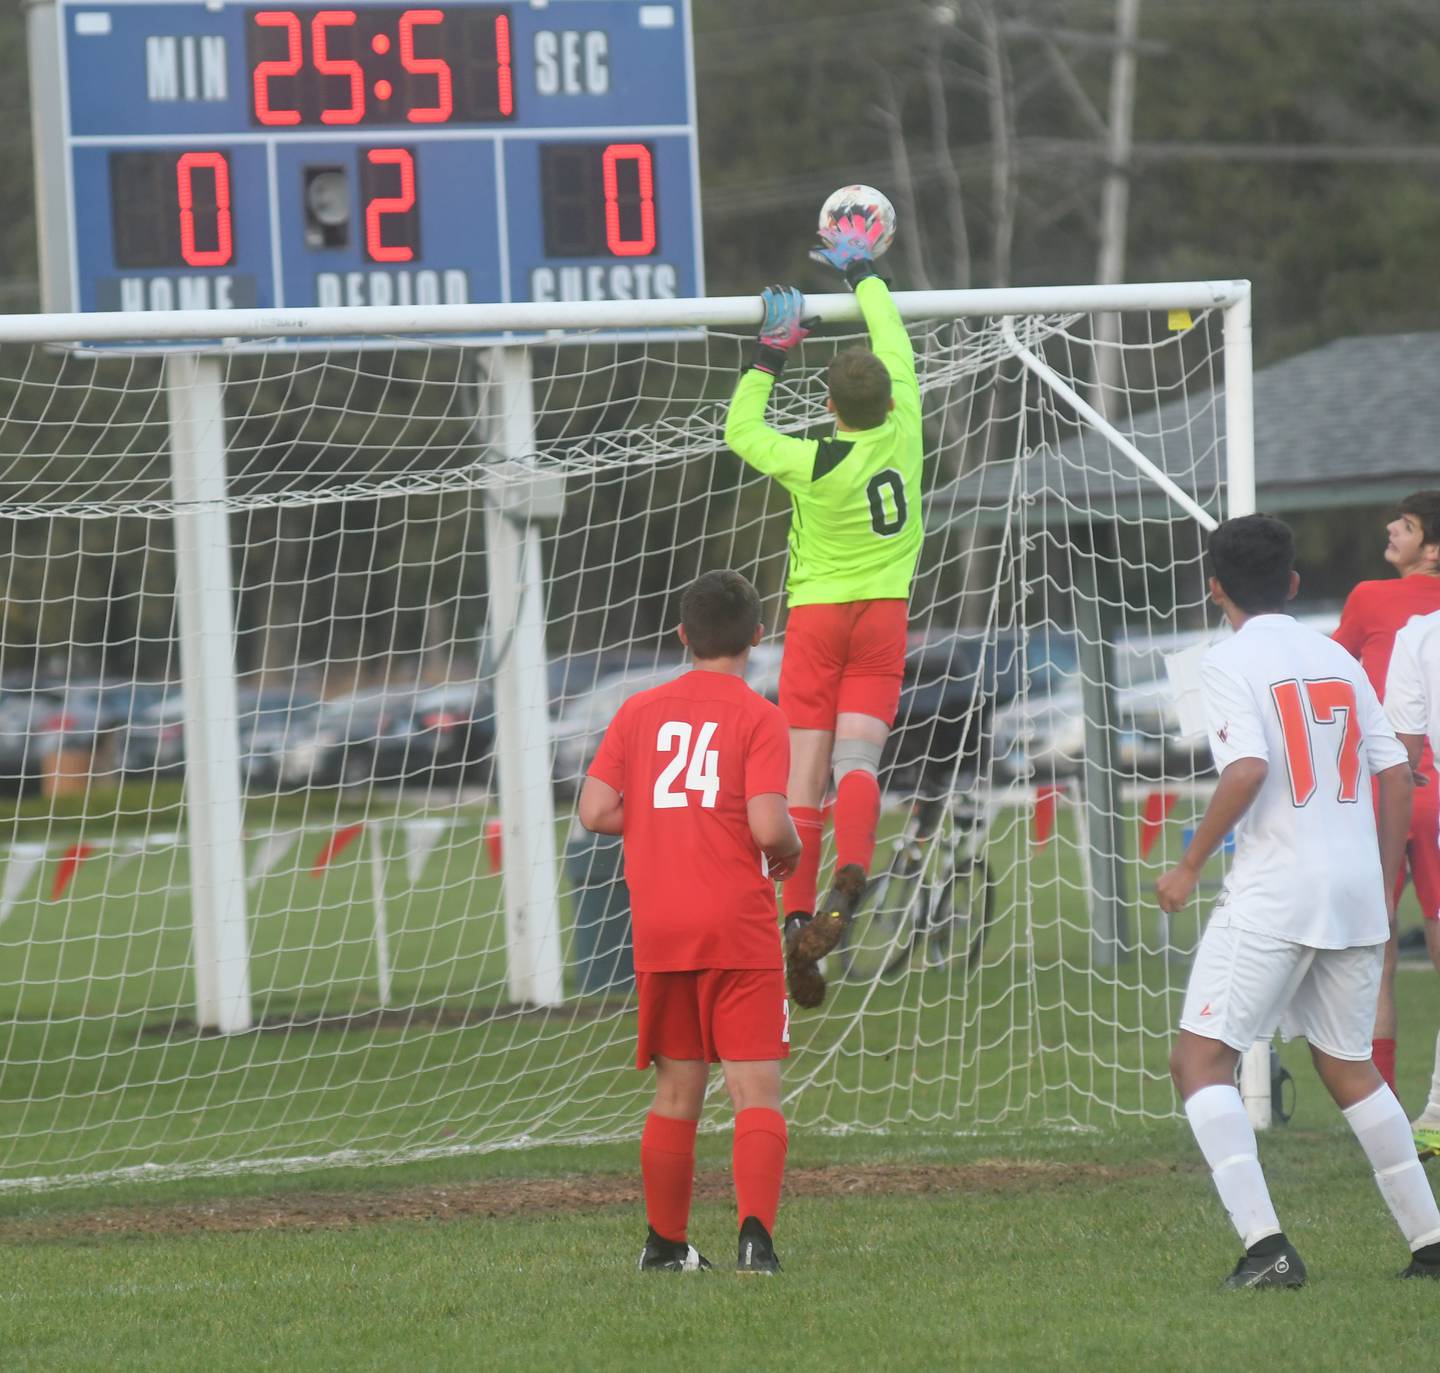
(1097, 592)
(1115, 191)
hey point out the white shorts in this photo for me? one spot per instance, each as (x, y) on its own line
(1244, 984)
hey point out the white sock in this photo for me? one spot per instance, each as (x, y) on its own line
(1384, 1134)
(1432, 1107)
(1227, 1139)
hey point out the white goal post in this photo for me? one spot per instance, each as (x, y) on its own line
(531, 441)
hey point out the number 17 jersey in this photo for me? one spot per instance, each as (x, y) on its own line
(1307, 857)
(687, 757)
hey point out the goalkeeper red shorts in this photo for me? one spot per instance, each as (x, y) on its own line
(1424, 847)
(839, 658)
(713, 1014)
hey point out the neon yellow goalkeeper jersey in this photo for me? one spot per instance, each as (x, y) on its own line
(855, 524)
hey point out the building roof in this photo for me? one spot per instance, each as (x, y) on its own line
(1354, 422)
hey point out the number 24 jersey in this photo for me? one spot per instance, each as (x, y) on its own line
(1307, 857)
(687, 756)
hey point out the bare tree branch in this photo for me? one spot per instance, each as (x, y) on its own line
(1002, 131)
(949, 173)
(891, 112)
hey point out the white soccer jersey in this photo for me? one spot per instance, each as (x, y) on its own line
(1307, 856)
(1412, 687)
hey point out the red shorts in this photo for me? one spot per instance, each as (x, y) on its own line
(713, 1014)
(1424, 849)
(846, 657)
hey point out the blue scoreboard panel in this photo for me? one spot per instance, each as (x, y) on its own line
(206, 154)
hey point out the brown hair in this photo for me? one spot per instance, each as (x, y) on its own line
(860, 388)
(720, 611)
(1425, 507)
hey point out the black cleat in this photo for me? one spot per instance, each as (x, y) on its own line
(1281, 1266)
(812, 941)
(1420, 1269)
(757, 1253)
(671, 1256)
(795, 924)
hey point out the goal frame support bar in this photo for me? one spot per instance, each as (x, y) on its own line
(204, 580)
(332, 328)
(1241, 500)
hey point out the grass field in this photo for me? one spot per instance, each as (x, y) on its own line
(1096, 1250)
(105, 1071)
(1076, 1230)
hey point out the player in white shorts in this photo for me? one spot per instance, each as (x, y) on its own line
(1412, 701)
(1298, 933)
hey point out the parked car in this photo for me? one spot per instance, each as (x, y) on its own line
(1044, 735)
(27, 739)
(434, 736)
(447, 741)
(955, 681)
(576, 674)
(154, 743)
(86, 718)
(576, 733)
(267, 731)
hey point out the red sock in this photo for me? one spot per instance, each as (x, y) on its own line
(857, 812)
(759, 1163)
(1382, 1054)
(667, 1164)
(798, 892)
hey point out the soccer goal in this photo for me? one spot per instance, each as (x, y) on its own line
(313, 619)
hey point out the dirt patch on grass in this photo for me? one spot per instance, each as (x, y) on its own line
(534, 1197)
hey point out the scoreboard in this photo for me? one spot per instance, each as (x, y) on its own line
(205, 154)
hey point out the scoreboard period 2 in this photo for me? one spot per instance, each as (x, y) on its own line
(204, 154)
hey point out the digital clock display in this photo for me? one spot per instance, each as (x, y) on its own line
(200, 155)
(333, 68)
(171, 209)
(599, 198)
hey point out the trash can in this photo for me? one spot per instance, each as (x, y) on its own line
(601, 950)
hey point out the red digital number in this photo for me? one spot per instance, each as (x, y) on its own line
(1326, 696)
(439, 112)
(390, 205)
(504, 77)
(640, 155)
(264, 71)
(224, 233)
(333, 66)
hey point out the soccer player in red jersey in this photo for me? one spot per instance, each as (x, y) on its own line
(1373, 613)
(693, 774)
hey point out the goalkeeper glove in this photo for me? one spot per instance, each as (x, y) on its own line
(850, 247)
(781, 328)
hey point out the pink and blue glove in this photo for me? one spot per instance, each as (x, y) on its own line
(850, 247)
(782, 327)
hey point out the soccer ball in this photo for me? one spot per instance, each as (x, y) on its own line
(862, 200)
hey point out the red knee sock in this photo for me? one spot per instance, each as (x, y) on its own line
(759, 1163)
(1382, 1054)
(798, 893)
(667, 1164)
(857, 812)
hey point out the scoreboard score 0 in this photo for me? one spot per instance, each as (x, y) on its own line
(203, 154)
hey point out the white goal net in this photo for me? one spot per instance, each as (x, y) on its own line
(288, 757)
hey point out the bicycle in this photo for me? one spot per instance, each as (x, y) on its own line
(934, 891)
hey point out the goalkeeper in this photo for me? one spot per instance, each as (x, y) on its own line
(855, 533)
